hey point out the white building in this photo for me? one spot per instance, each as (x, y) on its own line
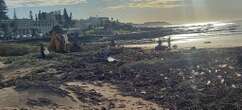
(44, 26)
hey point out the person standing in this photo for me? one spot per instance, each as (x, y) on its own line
(42, 51)
(169, 42)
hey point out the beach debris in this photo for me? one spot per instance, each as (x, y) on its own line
(239, 59)
(46, 51)
(238, 75)
(195, 72)
(121, 106)
(2, 65)
(25, 84)
(219, 76)
(201, 77)
(193, 48)
(181, 81)
(111, 59)
(207, 42)
(202, 73)
(87, 96)
(222, 81)
(233, 86)
(143, 92)
(175, 46)
(40, 102)
(223, 65)
(209, 82)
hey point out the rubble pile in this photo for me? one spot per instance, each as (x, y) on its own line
(90, 97)
(199, 79)
(23, 84)
(40, 102)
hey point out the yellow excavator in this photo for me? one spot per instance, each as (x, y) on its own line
(59, 41)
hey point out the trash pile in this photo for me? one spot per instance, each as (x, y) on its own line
(91, 97)
(201, 79)
(198, 79)
(40, 102)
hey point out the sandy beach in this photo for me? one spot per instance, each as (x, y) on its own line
(141, 79)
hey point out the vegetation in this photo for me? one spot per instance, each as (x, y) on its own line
(16, 49)
(3, 10)
(110, 27)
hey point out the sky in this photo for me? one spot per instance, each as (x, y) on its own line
(137, 11)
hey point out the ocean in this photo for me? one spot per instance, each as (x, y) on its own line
(203, 35)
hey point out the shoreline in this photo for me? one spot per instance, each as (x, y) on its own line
(203, 42)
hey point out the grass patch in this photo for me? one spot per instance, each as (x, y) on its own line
(16, 49)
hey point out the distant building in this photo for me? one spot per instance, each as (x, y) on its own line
(93, 21)
(46, 21)
(97, 20)
(42, 24)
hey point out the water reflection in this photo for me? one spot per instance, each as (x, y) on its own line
(202, 35)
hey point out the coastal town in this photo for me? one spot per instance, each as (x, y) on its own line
(38, 26)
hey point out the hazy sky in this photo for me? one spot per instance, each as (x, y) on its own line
(138, 11)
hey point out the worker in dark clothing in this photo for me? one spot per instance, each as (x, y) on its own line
(113, 43)
(75, 47)
(42, 51)
(160, 47)
(169, 42)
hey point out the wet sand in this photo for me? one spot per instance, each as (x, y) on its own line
(202, 42)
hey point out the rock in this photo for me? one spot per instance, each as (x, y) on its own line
(207, 42)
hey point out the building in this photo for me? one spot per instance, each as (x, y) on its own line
(23, 26)
(41, 25)
(93, 21)
(27, 26)
(44, 26)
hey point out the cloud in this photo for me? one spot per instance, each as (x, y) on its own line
(150, 4)
(106, 3)
(34, 3)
